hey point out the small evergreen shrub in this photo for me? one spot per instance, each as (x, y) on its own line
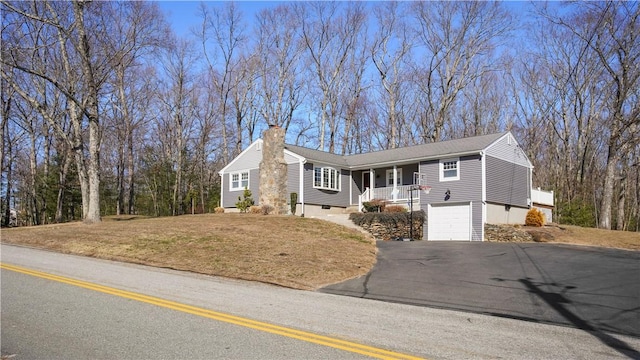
(254, 209)
(578, 212)
(294, 202)
(267, 209)
(534, 217)
(245, 201)
(218, 210)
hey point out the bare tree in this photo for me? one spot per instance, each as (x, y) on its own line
(137, 30)
(609, 32)
(329, 37)
(221, 36)
(78, 71)
(279, 53)
(458, 39)
(390, 51)
(178, 113)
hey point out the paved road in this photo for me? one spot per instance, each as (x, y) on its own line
(42, 318)
(585, 287)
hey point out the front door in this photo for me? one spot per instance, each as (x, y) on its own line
(366, 180)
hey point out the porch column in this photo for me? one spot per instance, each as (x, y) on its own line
(372, 184)
(395, 183)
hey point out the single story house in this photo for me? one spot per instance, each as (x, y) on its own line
(460, 184)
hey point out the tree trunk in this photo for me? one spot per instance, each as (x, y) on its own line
(620, 218)
(131, 168)
(91, 111)
(62, 184)
(607, 190)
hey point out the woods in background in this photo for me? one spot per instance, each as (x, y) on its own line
(106, 111)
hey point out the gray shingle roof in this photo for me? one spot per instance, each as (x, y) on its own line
(317, 155)
(412, 153)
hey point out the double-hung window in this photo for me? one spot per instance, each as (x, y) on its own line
(390, 177)
(449, 169)
(239, 180)
(326, 178)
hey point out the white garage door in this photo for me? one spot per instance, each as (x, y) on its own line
(449, 222)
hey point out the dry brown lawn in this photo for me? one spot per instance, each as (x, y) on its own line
(586, 236)
(290, 251)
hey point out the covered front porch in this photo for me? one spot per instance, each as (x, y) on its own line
(395, 185)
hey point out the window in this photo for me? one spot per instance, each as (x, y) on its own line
(239, 181)
(326, 178)
(390, 177)
(449, 169)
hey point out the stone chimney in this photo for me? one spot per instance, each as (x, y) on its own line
(273, 171)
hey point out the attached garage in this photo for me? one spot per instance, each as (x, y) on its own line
(449, 222)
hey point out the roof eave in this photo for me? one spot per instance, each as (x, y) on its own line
(416, 159)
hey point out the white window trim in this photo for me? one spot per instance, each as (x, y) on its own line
(322, 174)
(390, 177)
(239, 173)
(441, 169)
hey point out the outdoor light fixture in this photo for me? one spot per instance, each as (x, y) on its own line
(448, 192)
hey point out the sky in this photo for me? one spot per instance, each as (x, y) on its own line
(183, 15)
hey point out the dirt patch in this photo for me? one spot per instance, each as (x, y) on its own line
(290, 251)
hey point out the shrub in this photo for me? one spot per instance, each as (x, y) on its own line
(218, 210)
(254, 209)
(534, 217)
(395, 209)
(294, 202)
(578, 212)
(245, 201)
(267, 209)
(375, 205)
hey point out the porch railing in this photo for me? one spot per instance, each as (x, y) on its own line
(400, 194)
(542, 197)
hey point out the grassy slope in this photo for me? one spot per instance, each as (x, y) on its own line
(290, 251)
(587, 236)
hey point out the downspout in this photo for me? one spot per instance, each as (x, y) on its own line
(350, 186)
(301, 186)
(483, 159)
(529, 188)
(221, 190)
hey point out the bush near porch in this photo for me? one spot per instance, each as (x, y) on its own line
(390, 225)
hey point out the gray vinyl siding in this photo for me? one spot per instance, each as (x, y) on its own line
(357, 186)
(230, 198)
(467, 189)
(326, 197)
(293, 179)
(507, 182)
(249, 159)
(507, 149)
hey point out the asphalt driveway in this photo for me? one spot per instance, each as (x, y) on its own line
(590, 288)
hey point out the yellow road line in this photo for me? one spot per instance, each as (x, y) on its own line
(231, 319)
